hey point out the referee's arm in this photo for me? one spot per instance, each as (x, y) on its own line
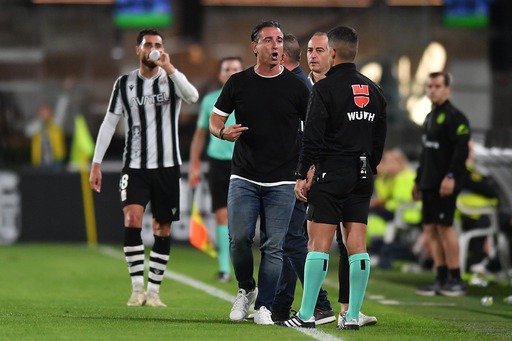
(379, 138)
(314, 133)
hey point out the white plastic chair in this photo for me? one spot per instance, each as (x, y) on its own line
(491, 231)
(398, 223)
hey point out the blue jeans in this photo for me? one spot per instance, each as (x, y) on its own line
(295, 250)
(274, 206)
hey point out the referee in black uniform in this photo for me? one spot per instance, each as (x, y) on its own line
(344, 138)
(149, 99)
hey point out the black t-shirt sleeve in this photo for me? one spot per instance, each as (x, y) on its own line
(225, 102)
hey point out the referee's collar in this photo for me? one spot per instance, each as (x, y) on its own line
(339, 67)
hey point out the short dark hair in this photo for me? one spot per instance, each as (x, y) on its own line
(228, 59)
(147, 32)
(291, 47)
(447, 78)
(255, 34)
(344, 40)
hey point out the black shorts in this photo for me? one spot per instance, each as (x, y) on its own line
(160, 186)
(218, 181)
(340, 196)
(436, 209)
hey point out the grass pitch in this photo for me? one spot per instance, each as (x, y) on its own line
(74, 292)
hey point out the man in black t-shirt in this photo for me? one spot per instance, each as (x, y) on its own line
(268, 103)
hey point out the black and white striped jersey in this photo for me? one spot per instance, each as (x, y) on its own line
(151, 108)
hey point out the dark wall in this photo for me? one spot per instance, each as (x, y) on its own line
(52, 208)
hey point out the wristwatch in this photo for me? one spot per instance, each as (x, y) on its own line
(449, 175)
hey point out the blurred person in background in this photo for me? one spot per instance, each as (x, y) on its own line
(48, 132)
(268, 103)
(220, 153)
(393, 188)
(440, 176)
(149, 98)
(295, 246)
(481, 190)
(319, 57)
(48, 143)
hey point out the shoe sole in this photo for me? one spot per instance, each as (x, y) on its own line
(236, 320)
(349, 327)
(325, 320)
(307, 325)
(369, 323)
(264, 324)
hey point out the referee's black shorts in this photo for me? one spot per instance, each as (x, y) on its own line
(161, 186)
(340, 196)
(218, 182)
(436, 209)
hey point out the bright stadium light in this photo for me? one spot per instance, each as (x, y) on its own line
(373, 71)
(433, 60)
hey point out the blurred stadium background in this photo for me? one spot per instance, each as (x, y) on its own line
(77, 48)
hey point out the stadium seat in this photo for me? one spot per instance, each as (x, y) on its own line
(492, 232)
(402, 220)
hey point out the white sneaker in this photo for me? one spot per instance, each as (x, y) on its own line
(263, 316)
(343, 324)
(137, 299)
(242, 303)
(363, 320)
(153, 300)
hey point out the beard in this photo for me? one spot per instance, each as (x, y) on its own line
(148, 63)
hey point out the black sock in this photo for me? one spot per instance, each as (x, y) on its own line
(442, 274)
(455, 274)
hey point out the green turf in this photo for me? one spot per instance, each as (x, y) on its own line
(64, 292)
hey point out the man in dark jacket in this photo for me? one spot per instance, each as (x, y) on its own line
(344, 138)
(439, 178)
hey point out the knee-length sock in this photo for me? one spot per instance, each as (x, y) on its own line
(158, 259)
(223, 248)
(315, 271)
(134, 255)
(359, 274)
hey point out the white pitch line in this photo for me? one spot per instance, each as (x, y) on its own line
(215, 292)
